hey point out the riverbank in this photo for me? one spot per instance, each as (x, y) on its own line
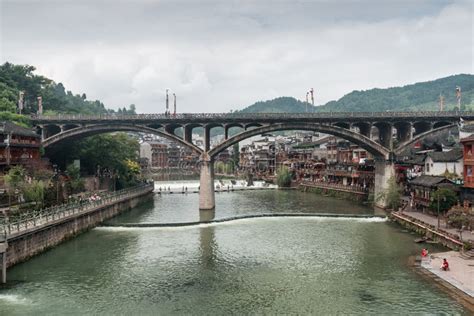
(451, 240)
(458, 282)
(335, 190)
(39, 232)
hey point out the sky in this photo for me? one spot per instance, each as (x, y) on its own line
(219, 56)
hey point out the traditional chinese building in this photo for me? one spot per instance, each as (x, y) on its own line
(468, 159)
(18, 145)
(423, 187)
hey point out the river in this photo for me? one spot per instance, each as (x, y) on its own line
(297, 265)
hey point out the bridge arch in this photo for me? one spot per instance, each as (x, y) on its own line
(403, 146)
(364, 142)
(90, 130)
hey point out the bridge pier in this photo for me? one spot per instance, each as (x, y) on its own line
(383, 171)
(207, 200)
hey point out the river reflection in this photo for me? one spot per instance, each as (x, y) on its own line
(208, 245)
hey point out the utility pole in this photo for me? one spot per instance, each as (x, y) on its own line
(312, 97)
(167, 102)
(20, 101)
(40, 105)
(307, 101)
(438, 213)
(458, 97)
(441, 102)
(174, 103)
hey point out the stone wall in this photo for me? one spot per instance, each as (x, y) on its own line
(332, 192)
(25, 246)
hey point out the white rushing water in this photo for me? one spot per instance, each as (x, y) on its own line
(218, 184)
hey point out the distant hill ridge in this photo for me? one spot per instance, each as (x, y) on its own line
(422, 96)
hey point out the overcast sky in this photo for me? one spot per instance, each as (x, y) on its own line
(223, 55)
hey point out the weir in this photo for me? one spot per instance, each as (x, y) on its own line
(207, 217)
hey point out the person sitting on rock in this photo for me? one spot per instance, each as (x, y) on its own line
(445, 265)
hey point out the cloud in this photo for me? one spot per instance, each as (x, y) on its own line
(227, 55)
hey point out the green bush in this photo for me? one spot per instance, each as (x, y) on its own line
(284, 177)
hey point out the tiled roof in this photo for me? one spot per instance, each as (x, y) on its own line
(446, 156)
(429, 181)
(468, 128)
(467, 139)
(7, 127)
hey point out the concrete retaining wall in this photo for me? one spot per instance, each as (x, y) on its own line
(23, 247)
(423, 230)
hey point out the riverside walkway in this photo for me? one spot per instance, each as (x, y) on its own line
(460, 274)
(35, 220)
(433, 222)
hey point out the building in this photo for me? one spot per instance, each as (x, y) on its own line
(468, 161)
(441, 162)
(155, 153)
(18, 145)
(423, 187)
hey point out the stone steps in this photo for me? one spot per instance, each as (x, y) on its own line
(469, 255)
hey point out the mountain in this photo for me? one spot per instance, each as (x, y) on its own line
(420, 96)
(279, 105)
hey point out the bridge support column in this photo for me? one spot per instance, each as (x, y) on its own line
(365, 129)
(43, 132)
(207, 138)
(226, 132)
(404, 132)
(385, 135)
(206, 185)
(3, 262)
(188, 134)
(383, 171)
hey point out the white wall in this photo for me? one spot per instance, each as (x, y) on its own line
(439, 168)
(145, 151)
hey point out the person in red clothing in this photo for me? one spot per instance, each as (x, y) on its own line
(424, 253)
(445, 265)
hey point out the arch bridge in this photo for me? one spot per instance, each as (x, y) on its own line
(383, 134)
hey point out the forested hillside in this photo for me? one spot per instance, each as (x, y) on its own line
(55, 97)
(415, 97)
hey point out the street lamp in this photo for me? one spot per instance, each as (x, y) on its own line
(444, 200)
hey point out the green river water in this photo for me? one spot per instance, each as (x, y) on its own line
(283, 265)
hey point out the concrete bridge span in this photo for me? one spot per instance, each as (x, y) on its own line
(377, 132)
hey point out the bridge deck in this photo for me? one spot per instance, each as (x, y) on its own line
(260, 117)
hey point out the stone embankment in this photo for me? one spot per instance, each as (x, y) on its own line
(40, 231)
(447, 239)
(336, 190)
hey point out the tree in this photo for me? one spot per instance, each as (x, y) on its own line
(34, 192)
(15, 180)
(75, 183)
(105, 152)
(447, 198)
(236, 154)
(391, 196)
(284, 177)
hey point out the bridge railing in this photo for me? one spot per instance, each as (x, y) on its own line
(238, 115)
(46, 216)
